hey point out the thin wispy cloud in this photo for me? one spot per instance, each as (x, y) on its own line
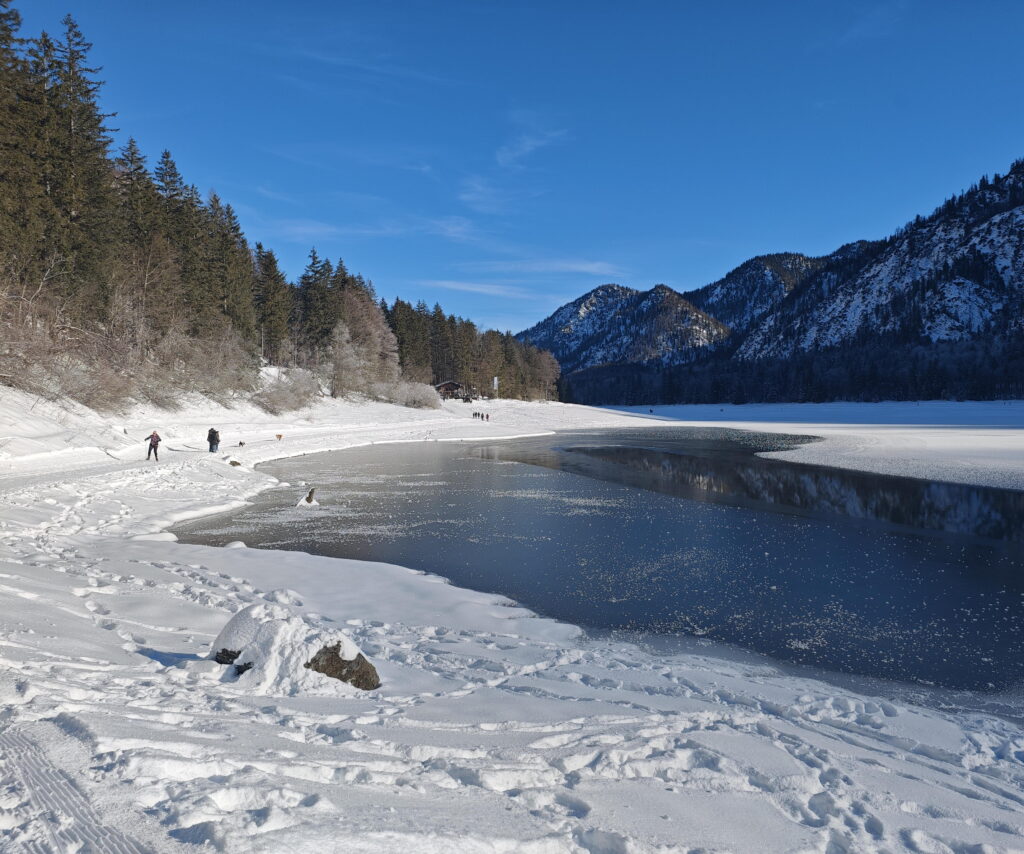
(456, 228)
(311, 230)
(381, 67)
(547, 265)
(512, 154)
(325, 157)
(351, 198)
(276, 196)
(298, 158)
(406, 158)
(485, 288)
(313, 87)
(304, 230)
(481, 195)
(534, 134)
(484, 196)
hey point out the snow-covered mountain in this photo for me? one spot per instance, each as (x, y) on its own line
(954, 275)
(614, 325)
(741, 296)
(951, 277)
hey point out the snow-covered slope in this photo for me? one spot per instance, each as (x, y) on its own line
(756, 286)
(953, 275)
(494, 731)
(615, 325)
(565, 331)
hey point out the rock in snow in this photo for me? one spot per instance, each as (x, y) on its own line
(332, 662)
(276, 651)
(308, 500)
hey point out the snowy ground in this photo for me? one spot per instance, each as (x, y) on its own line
(493, 731)
(979, 442)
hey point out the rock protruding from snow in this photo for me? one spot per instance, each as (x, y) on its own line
(276, 651)
(331, 661)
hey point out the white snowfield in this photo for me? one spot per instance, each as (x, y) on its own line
(960, 442)
(494, 730)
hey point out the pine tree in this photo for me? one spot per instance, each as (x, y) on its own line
(440, 346)
(23, 201)
(341, 281)
(138, 202)
(81, 175)
(411, 327)
(169, 182)
(319, 314)
(273, 297)
(185, 223)
(237, 286)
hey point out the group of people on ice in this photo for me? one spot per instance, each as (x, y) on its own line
(154, 440)
(483, 416)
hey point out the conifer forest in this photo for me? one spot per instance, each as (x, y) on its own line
(120, 280)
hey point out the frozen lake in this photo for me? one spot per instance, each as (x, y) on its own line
(682, 532)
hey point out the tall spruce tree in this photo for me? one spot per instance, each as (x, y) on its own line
(274, 305)
(234, 282)
(169, 182)
(23, 200)
(319, 313)
(81, 187)
(138, 202)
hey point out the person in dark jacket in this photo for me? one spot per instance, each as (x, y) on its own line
(154, 445)
(213, 437)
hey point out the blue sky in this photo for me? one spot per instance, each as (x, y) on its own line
(505, 157)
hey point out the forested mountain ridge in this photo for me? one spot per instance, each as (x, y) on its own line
(565, 331)
(935, 310)
(953, 275)
(740, 297)
(612, 324)
(121, 282)
(615, 324)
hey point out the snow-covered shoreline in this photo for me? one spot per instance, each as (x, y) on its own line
(494, 730)
(973, 442)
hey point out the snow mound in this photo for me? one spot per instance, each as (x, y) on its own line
(277, 644)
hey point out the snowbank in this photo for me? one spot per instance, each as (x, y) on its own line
(494, 730)
(979, 442)
(269, 649)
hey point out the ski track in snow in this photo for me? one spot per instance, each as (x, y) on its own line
(65, 816)
(494, 731)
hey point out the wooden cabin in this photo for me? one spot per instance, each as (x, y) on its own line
(450, 389)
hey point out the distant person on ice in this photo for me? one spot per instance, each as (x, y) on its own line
(154, 444)
(213, 437)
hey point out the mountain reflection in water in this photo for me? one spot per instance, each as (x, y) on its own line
(995, 514)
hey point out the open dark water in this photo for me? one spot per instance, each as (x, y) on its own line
(683, 531)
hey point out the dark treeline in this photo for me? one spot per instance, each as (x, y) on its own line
(434, 347)
(883, 369)
(118, 279)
